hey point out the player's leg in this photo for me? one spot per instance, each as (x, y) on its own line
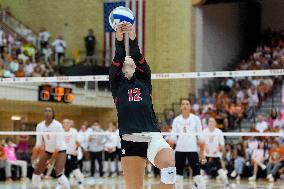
(76, 171)
(133, 163)
(195, 166)
(39, 169)
(106, 164)
(180, 158)
(221, 172)
(133, 168)
(112, 164)
(165, 161)
(161, 155)
(59, 170)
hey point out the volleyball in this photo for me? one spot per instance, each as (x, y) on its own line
(120, 14)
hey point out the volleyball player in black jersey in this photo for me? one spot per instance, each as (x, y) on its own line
(130, 79)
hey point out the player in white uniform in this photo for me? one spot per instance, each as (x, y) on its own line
(72, 144)
(54, 147)
(214, 145)
(110, 151)
(188, 146)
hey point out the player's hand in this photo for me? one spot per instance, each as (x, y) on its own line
(128, 27)
(119, 31)
(202, 158)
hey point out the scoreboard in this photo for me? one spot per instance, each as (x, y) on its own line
(55, 93)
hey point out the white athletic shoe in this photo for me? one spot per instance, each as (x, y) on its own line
(234, 174)
(80, 186)
(271, 179)
(58, 186)
(150, 175)
(113, 175)
(252, 178)
(263, 167)
(238, 178)
(269, 176)
(228, 186)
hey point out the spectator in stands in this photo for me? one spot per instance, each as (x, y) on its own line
(43, 38)
(2, 68)
(1, 42)
(205, 97)
(253, 102)
(239, 161)
(10, 153)
(23, 145)
(47, 52)
(37, 72)
(59, 47)
(261, 124)
(5, 164)
(14, 65)
(90, 44)
(276, 155)
(20, 72)
(278, 123)
(29, 68)
(259, 155)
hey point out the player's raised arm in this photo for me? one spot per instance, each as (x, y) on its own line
(142, 68)
(117, 63)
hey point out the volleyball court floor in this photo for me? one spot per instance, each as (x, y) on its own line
(117, 183)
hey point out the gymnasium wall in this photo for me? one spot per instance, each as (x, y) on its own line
(70, 18)
(218, 36)
(33, 111)
(273, 14)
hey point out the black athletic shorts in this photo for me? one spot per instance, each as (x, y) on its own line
(191, 158)
(71, 164)
(129, 148)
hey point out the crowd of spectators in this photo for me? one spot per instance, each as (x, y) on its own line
(240, 97)
(37, 56)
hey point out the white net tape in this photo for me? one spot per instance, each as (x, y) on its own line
(230, 134)
(157, 76)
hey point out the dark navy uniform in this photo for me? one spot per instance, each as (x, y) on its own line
(132, 98)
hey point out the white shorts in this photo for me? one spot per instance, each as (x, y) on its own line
(156, 144)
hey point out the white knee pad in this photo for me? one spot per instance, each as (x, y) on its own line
(168, 175)
(200, 182)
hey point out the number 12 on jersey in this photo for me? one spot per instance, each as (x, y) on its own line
(134, 95)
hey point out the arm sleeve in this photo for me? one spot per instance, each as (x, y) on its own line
(116, 65)
(39, 139)
(142, 67)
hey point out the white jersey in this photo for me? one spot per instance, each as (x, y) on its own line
(186, 143)
(71, 140)
(112, 139)
(50, 142)
(213, 142)
(84, 139)
(118, 139)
